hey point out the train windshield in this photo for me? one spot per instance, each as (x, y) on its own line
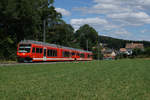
(24, 48)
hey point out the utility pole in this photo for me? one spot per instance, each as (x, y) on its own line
(98, 48)
(87, 45)
(44, 31)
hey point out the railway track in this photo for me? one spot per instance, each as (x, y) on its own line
(16, 63)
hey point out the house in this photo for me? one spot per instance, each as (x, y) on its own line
(125, 51)
(134, 46)
(131, 46)
(108, 53)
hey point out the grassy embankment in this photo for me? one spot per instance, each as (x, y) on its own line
(104, 80)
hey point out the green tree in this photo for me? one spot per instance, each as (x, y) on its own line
(137, 52)
(23, 19)
(61, 34)
(147, 51)
(86, 34)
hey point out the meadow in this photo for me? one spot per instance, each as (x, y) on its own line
(97, 80)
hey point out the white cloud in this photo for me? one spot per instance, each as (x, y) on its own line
(139, 18)
(145, 31)
(106, 6)
(127, 12)
(103, 9)
(125, 5)
(93, 21)
(121, 32)
(63, 11)
(97, 23)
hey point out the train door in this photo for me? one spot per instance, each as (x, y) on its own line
(44, 55)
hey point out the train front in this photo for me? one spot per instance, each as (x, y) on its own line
(24, 52)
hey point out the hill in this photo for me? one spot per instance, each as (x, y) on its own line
(119, 43)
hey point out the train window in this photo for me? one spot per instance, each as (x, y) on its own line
(51, 53)
(48, 52)
(89, 56)
(25, 45)
(24, 48)
(54, 53)
(27, 49)
(78, 54)
(41, 50)
(44, 53)
(33, 50)
(37, 50)
(82, 55)
(73, 53)
(66, 54)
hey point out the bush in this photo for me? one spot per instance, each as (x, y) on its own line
(147, 51)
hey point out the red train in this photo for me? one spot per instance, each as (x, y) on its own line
(33, 51)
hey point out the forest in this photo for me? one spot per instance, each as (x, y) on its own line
(25, 20)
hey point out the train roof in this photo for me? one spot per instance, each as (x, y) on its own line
(49, 44)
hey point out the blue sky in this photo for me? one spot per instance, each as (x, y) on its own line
(125, 19)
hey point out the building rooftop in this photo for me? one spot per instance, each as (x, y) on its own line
(134, 45)
(123, 49)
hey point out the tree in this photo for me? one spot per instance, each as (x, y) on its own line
(23, 19)
(61, 34)
(137, 52)
(86, 33)
(147, 51)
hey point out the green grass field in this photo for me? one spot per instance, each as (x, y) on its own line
(103, 80)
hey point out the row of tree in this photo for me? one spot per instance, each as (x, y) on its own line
(141, 53)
